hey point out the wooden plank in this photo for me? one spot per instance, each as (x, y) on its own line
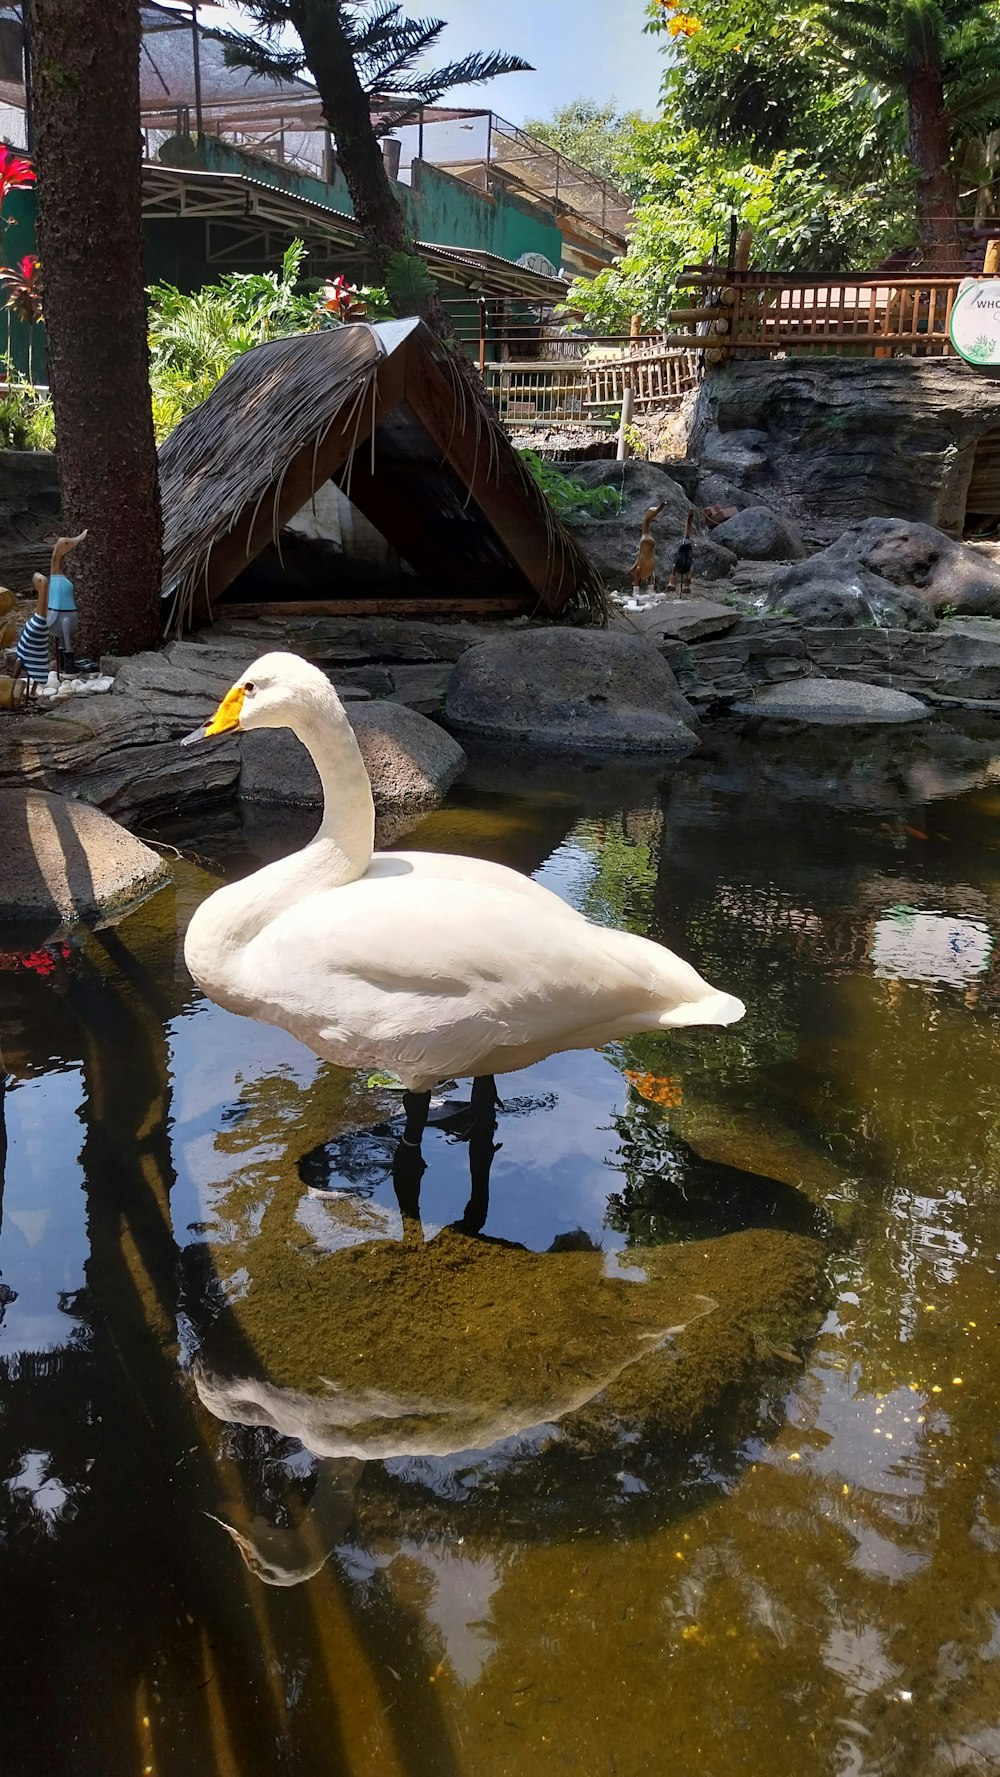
(376, 607)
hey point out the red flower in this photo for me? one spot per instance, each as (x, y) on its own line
(14, 171)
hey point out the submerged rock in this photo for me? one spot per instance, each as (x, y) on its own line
(67, 860)
(834, 702)
(391, 1348)
(595, 690)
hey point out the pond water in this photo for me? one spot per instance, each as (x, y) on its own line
(657, 1433)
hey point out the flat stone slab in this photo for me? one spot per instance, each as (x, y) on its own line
(834, 702)
(682, 620)
(66, 860)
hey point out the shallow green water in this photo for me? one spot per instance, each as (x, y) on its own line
(679, 1454)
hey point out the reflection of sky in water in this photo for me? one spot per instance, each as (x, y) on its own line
(43, 1244)
(910, 946)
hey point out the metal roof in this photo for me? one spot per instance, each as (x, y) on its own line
(238, 199)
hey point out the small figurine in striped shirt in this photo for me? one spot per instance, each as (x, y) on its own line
(32, 647)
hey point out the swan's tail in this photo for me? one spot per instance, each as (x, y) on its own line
(712, 1007)
(672, 992)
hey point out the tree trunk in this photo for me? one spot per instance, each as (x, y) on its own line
(89, 154)
(348, 114)
(937, 181)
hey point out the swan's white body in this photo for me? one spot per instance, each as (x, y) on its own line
(432, 965)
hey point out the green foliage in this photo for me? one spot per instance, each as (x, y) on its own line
(26, 420)
(593, 135)
(194, 339)
(566, 497)
(408, 283)
(801, 217)
(390, 51)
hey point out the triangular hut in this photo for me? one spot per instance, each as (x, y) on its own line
(385, 414)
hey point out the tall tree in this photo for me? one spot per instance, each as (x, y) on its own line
(588, 132)
(88, 145)
(944, 57)
(358, 51)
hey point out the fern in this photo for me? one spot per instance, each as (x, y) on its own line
(566, 497)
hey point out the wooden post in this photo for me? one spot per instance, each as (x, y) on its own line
(991, 261)
(482, 336)
(635, 327)
(624, 423)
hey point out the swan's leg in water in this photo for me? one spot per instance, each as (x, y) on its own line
(482, 1148)
(416, 1106)
(409, 1165)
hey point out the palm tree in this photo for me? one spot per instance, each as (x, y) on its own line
(358, 51)
(944, 57)
(89, 153)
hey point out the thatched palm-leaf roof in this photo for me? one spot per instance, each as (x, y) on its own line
(386, 412)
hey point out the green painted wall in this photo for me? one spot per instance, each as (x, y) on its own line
(438, 208)
(17, 239)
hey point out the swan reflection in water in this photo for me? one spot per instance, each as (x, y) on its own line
(417, 1348)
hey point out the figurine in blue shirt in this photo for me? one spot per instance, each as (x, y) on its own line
(63, 618)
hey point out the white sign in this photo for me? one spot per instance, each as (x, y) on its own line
(975, 322)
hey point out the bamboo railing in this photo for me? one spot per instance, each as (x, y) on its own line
(769, 314)
(535, 392)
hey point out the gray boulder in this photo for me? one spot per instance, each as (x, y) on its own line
(822, 592)
(755, 534)
(65, 860)
(738, 455)
(411, 762)
(833, 703)
(611, 542)
(923, 561)
(592, 690)
(714, 489)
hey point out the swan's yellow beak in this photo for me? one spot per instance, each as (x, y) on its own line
(227, 716)
(228, 713)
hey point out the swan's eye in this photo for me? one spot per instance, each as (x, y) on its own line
(248, 686)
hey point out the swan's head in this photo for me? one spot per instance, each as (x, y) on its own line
(277, 691)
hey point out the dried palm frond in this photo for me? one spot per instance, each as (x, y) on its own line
(227, 460)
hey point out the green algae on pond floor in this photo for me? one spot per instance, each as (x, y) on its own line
(392, 1349)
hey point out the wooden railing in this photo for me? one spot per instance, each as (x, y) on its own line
(533, 392)
(770, 313)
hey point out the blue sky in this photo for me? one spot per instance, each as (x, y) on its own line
(592, 49)
(579, 48)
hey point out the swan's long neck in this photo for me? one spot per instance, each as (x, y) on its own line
(348, 825)
(340, 852)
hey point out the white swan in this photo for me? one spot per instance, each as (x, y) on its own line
(434, 966)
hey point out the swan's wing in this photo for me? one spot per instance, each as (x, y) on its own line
(438, 975)
(477, 872)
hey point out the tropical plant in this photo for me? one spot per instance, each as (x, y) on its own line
(567, 498)
(26, 420)
(362, 53)
(88, 149)
(23, 286)
(943, 56)
(195, 338)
